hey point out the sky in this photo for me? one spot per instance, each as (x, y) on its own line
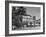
(33, 11)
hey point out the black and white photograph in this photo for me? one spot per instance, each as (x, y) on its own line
(25, 18)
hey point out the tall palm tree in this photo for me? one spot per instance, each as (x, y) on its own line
(16, 13)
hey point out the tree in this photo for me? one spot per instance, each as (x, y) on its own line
(16, 13)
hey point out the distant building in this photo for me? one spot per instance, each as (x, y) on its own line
(27, 19)
(34, 18)
(38, 22)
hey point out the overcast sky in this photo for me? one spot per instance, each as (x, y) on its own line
(33, 11)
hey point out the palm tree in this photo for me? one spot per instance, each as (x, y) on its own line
(17, 13)
(22, 11)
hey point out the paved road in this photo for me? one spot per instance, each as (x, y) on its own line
(29, 28)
